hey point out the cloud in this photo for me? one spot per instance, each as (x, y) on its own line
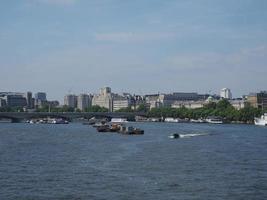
(247, 59)
(133, 36)
(58, 2)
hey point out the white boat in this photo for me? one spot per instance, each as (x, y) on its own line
(262, 121)
(170, 119)
(214, 120)
(59, 121)
(118, 120)
(197, 121)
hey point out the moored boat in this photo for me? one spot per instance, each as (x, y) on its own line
(103, 128)
(119, 120)
(214, 120)
(262, 121)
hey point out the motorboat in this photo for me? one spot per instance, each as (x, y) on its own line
(174, 136)
(214, 120)
(262, 121)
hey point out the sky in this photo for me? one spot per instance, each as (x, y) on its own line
(136, 46)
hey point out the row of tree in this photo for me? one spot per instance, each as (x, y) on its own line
(223, 109)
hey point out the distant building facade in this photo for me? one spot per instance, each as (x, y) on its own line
(188, 104)
(70, 100)
(226, 93)
(84, 101)
(40, 99)
(238, 103)
(173, 100)
(30, 100)
(120, 102)
(15, 101)
(104, 99)
(258, 100)
(40, 96)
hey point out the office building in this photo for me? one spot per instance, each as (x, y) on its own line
(15, 101)
(40, 96)
(120, 102)
(70, 100)
(258, 100)
(84, 101)
(226, 93)
(104, 99)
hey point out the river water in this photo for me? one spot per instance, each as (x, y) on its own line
(41, 162)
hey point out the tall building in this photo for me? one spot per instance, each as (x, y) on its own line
(30, 102)
(226, 93)
(258, 100)
(70, 100)
(40, 96)
(84, 101)
(104, 99)
(2, 102)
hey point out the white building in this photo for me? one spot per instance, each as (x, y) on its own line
(226, 93)
(237, 104)
(120, 102)
(84, 101)
(188, 104)
(70, 100)
(104, 99)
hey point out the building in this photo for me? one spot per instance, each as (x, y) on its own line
(2, 102)
(70, 100)
(238, 103)
(104, 99)
(189, 104)
(258, 100)
(84, 101)
(226, 93)
(40, 96)
(152, 101)
(40, 99)
(168, 100)
(120, 102)
(15, 101)
(30, 100)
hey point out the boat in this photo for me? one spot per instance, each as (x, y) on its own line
(170, 119)
(129, 130)
(214, 120)
(138, 131)
(118, 120)
(59, 121)
(197, 121)
(98, 124)
(174, 136)
(103, 128)
(262, 121)
(115, 127)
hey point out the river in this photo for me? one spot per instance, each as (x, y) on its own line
(73, 161)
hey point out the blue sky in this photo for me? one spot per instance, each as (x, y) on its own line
(140, 46)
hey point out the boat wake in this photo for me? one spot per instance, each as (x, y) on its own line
(192, 135)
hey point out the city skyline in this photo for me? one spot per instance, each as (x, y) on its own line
(60, 46)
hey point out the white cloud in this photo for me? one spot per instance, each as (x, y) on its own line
(247, 59)
(58, 2)
(133, 36)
